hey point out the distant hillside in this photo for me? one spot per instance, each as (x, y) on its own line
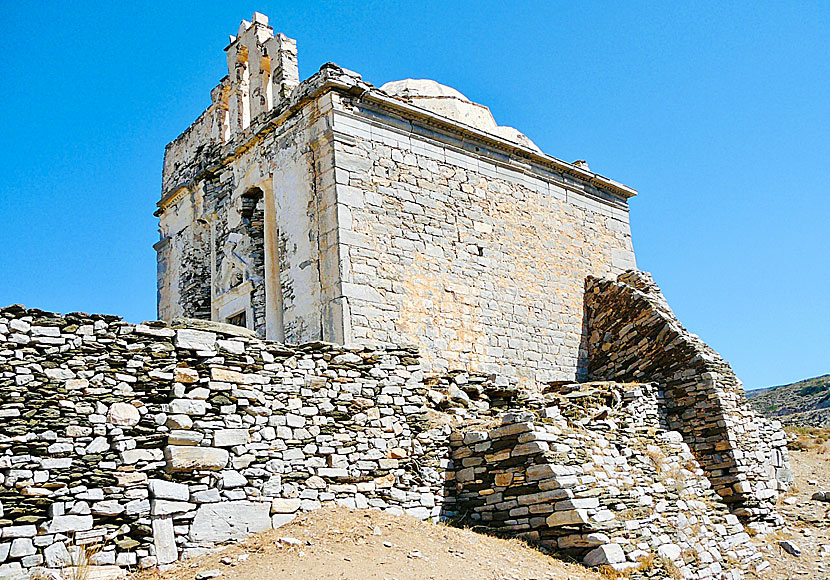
(806, 402)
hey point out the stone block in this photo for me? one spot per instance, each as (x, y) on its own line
(179, 422)
(530, 448)
(164, 540)
(13, 571)
(69, 523)
(232, 479)
(185, 375)
(230, 437)
(20, 532)
(165, 507)
(582, 541)
(670, 551)
(57, 556)
(605, 555)
(123, 414)
(161, 489)
(232, 520)
(227, 376)
(188, 338)
(333, 472)
(188, 407)
(577, 503)
(206, 496)
(503, 479)
(57, 463)
(22, 547)
(138, 507)
(108, 507)
(184, 437)
(98, 445)
(285, 505)
(187, 458)
(279, 520)
(568, 518)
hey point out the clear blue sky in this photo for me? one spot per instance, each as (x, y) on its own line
(718, 113)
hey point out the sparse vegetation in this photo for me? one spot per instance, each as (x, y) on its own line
(806, 402)
(670, 568)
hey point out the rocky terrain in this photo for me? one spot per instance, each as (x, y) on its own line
(806, 527)
(805, 403)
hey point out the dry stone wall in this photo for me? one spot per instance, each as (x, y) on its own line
(595, 475)
(634, 336)
(156, 443)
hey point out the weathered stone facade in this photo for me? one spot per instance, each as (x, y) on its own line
(394, 215)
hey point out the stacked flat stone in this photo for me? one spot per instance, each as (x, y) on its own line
(605, 487)
(158, 443)
(634, 336)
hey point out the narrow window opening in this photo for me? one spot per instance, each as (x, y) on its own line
(239, 319)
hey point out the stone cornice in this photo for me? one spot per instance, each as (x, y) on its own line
(333, 78)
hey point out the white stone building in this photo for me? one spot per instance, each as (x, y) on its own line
(333, 210)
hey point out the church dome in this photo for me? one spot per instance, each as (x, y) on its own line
(448, 102)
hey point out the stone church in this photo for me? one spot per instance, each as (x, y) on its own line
(332, 210)
(457, 269)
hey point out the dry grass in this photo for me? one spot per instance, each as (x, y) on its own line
(80, 567)
(613, 574)
(647, 562)
(672, 570)
(809, 439)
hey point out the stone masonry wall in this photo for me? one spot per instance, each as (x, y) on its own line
(634, 336)
(156, 443)
(599, 479)
(475, 255)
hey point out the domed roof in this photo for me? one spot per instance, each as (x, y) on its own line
(450, 103)
(420, 88)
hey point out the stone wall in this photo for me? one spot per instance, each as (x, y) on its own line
(634, 336)
(599, 478)
(155, 443)
(476, 255)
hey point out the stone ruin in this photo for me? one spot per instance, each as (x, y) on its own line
(379, 298)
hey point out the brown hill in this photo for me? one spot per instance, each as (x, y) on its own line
(805, 403)
(337, 543)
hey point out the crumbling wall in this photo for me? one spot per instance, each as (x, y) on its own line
(599, 479)
(634, 336)
(156, 443)
(213, 254)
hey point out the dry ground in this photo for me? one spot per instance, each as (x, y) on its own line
(807, 520)
(343, 544)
